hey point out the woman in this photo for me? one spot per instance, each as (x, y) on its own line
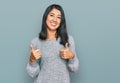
(52, 54)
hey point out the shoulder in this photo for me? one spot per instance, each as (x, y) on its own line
(35, 39)
(70, 38)
(35, 42)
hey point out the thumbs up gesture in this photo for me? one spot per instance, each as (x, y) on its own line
(66, 53)
(35, 54)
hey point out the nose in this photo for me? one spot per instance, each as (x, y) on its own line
(55, 19)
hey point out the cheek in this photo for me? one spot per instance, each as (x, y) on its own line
(47, 21)
(59, 21)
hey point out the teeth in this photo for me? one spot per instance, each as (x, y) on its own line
(53, 24)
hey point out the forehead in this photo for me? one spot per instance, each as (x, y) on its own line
(55, 11)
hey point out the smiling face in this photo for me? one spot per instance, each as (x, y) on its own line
(53, 19)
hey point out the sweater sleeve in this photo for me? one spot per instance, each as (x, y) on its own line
(73, 64)
(33, 67)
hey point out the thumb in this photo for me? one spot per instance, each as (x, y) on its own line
(66, 46)
(31, 47)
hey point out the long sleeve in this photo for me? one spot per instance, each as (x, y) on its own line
(33, 67)
(73, 64)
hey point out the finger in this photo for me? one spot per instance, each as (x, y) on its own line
(61, 51)
(62, 54)
(66, 46)
(32, 57)
(64, 57)
(38, 50)
(37, 55)
(31, 47)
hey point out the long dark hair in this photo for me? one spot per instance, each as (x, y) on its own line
(61, 31)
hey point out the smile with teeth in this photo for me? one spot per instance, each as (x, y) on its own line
(53, 24)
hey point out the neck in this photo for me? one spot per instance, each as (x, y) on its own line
(51, 34)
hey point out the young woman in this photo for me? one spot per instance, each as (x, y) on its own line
(52, 53)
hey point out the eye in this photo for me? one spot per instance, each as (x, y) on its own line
(59, 17)
(51, 15)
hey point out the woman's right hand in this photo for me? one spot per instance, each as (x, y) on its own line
(35, 54)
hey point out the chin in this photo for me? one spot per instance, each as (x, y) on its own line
(53, 28)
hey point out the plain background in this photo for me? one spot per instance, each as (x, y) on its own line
(94, 24)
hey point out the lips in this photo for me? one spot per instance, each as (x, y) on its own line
(53, 24)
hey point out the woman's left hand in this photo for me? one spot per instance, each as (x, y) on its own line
(66, 53)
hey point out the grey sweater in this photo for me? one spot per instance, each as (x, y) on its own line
(51, 68)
